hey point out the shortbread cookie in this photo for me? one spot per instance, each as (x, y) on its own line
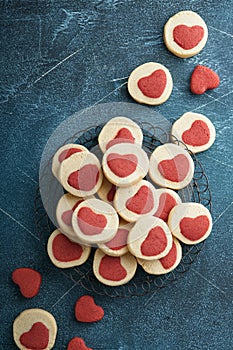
(165, 264)
(86, 310)
(107, 191)
(125, 164)
(191, 223)
(113, 270)
(185, 34)
(167, 200)
(63, 153)
(202, 79)
(151, 83)
(171, 166)
(119, 130)
(195, 130)
(28, 280)
(77, 344)
(35, 329)
(95, 221)
(64, 253)
(81, 174)
(136, 201)
(150, 238)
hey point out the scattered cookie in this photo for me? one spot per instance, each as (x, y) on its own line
(125, 164)
(171, 166)
(113, 270)
(202, 79)
(191, 223)
(35, 329)
(107, 191)
(150, 238)
(28, 280)
(167, 200)
(77, 344)
(64, 253)
(195, 130)
(86, 310)
(119, 130)
(151, 83)
(185, 34)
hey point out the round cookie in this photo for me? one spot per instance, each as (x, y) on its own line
(95, 221)
(171, 166)
(125, 164)
(64, 253)
(167, 200)
(151, 83)
(136, 201)
(107, 191)
(195, 130)
(113, 270)
(150, 238)
(185, 34)
(119, 130)
(81, 174)
(35, 329)
(165, 264)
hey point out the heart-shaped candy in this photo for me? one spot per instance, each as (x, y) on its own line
(169, 260)
(197, 135)
(142, 202)
(37, 338)
(188, 37)
(65, 250)
(111, 269)
(122, 165)
(89, 222)
(86, 310)
(153, 85)
(28, 280)
(119, 240)
(123, 136)
(175, 169)
(77, 344)
(67, 215)
(202, 79)
(194, 228)
(166, 203)
(155, 242)
(85, 178)
(67, 153)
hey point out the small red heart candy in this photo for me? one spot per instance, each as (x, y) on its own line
(194, 228)
(202, 79)
(67, 215)
(111, 269)
(155, 242)
(86, 310)
(122, 165)
(65, 250)
(28, 280)
(197, 135)
(166, 203)
(77, 344)
(188, 37)
(123, 136)
(90, 222)
(153, 85)
(67, 153)
(175, 169)
(142, 202)
(169, 260)
(37, 338)
(85, 178)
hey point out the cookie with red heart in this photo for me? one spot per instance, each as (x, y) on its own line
(125, 164)
(119, 130)
(136, 201)
(150, 238)
(77, 344)
(195, 130)
(114, 270)
(28, 280)
(86, 310)
(35, 329)
(65, 253)
(151, 83)
(191, 223)
(107, 191)
(171, 166)
(185, 34)
(167, 200)
(202, 79)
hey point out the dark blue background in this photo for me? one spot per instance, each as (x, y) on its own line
(58, 57)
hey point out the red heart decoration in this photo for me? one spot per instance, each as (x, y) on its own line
(166, 203)
(90, 222)
(142, 202)
(123, 136)
(169, 260)
(85, 178)
(86, 310)
(202, 79)
(111, 269)
(194, 228)
(67, 215)
(197, 135)
(67, 153)
(155, 242)
(28, 280)
(153, 85)
(37, 338)
(175, 169)
(122, 165)
(188, 37)
(119, 240)
(111, 193)
(77, 344)
(65, 250)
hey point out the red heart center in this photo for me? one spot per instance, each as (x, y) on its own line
(188, 37)
(91, 223)
(28, 280)
(119, 241)
(67, 215)
(86, 310)
(175, 169)
(67, 153)
(142, 202)
(197, 135)
(111, 269)
(166, 203)
(123, 136)
(169, 260)
(77, 344)
(122, 165)
(153, 85)
(202, 79)
(37, 338)
(155, 242)
(111, 193)
(85, 178)
(65, 250)
(194, 228)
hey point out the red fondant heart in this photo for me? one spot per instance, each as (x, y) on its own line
(111, 269)
(85, 178)
(86, 310)
(155, 242)
(194, 228)
(77, 344)
(90, 222)
(122, 165)
(119, 240)
(67, 215)
(153, 85)
(67, 153)
(37, 338)
(28, 280)
(111, 193)
(169, 260)
(202, 79)
(123, 136)
(65, 250)
(175, 169)
(166, 203)
(197, 135)
(188, 37)
(142, 202)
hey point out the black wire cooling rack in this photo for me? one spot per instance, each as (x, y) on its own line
(142, 283)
